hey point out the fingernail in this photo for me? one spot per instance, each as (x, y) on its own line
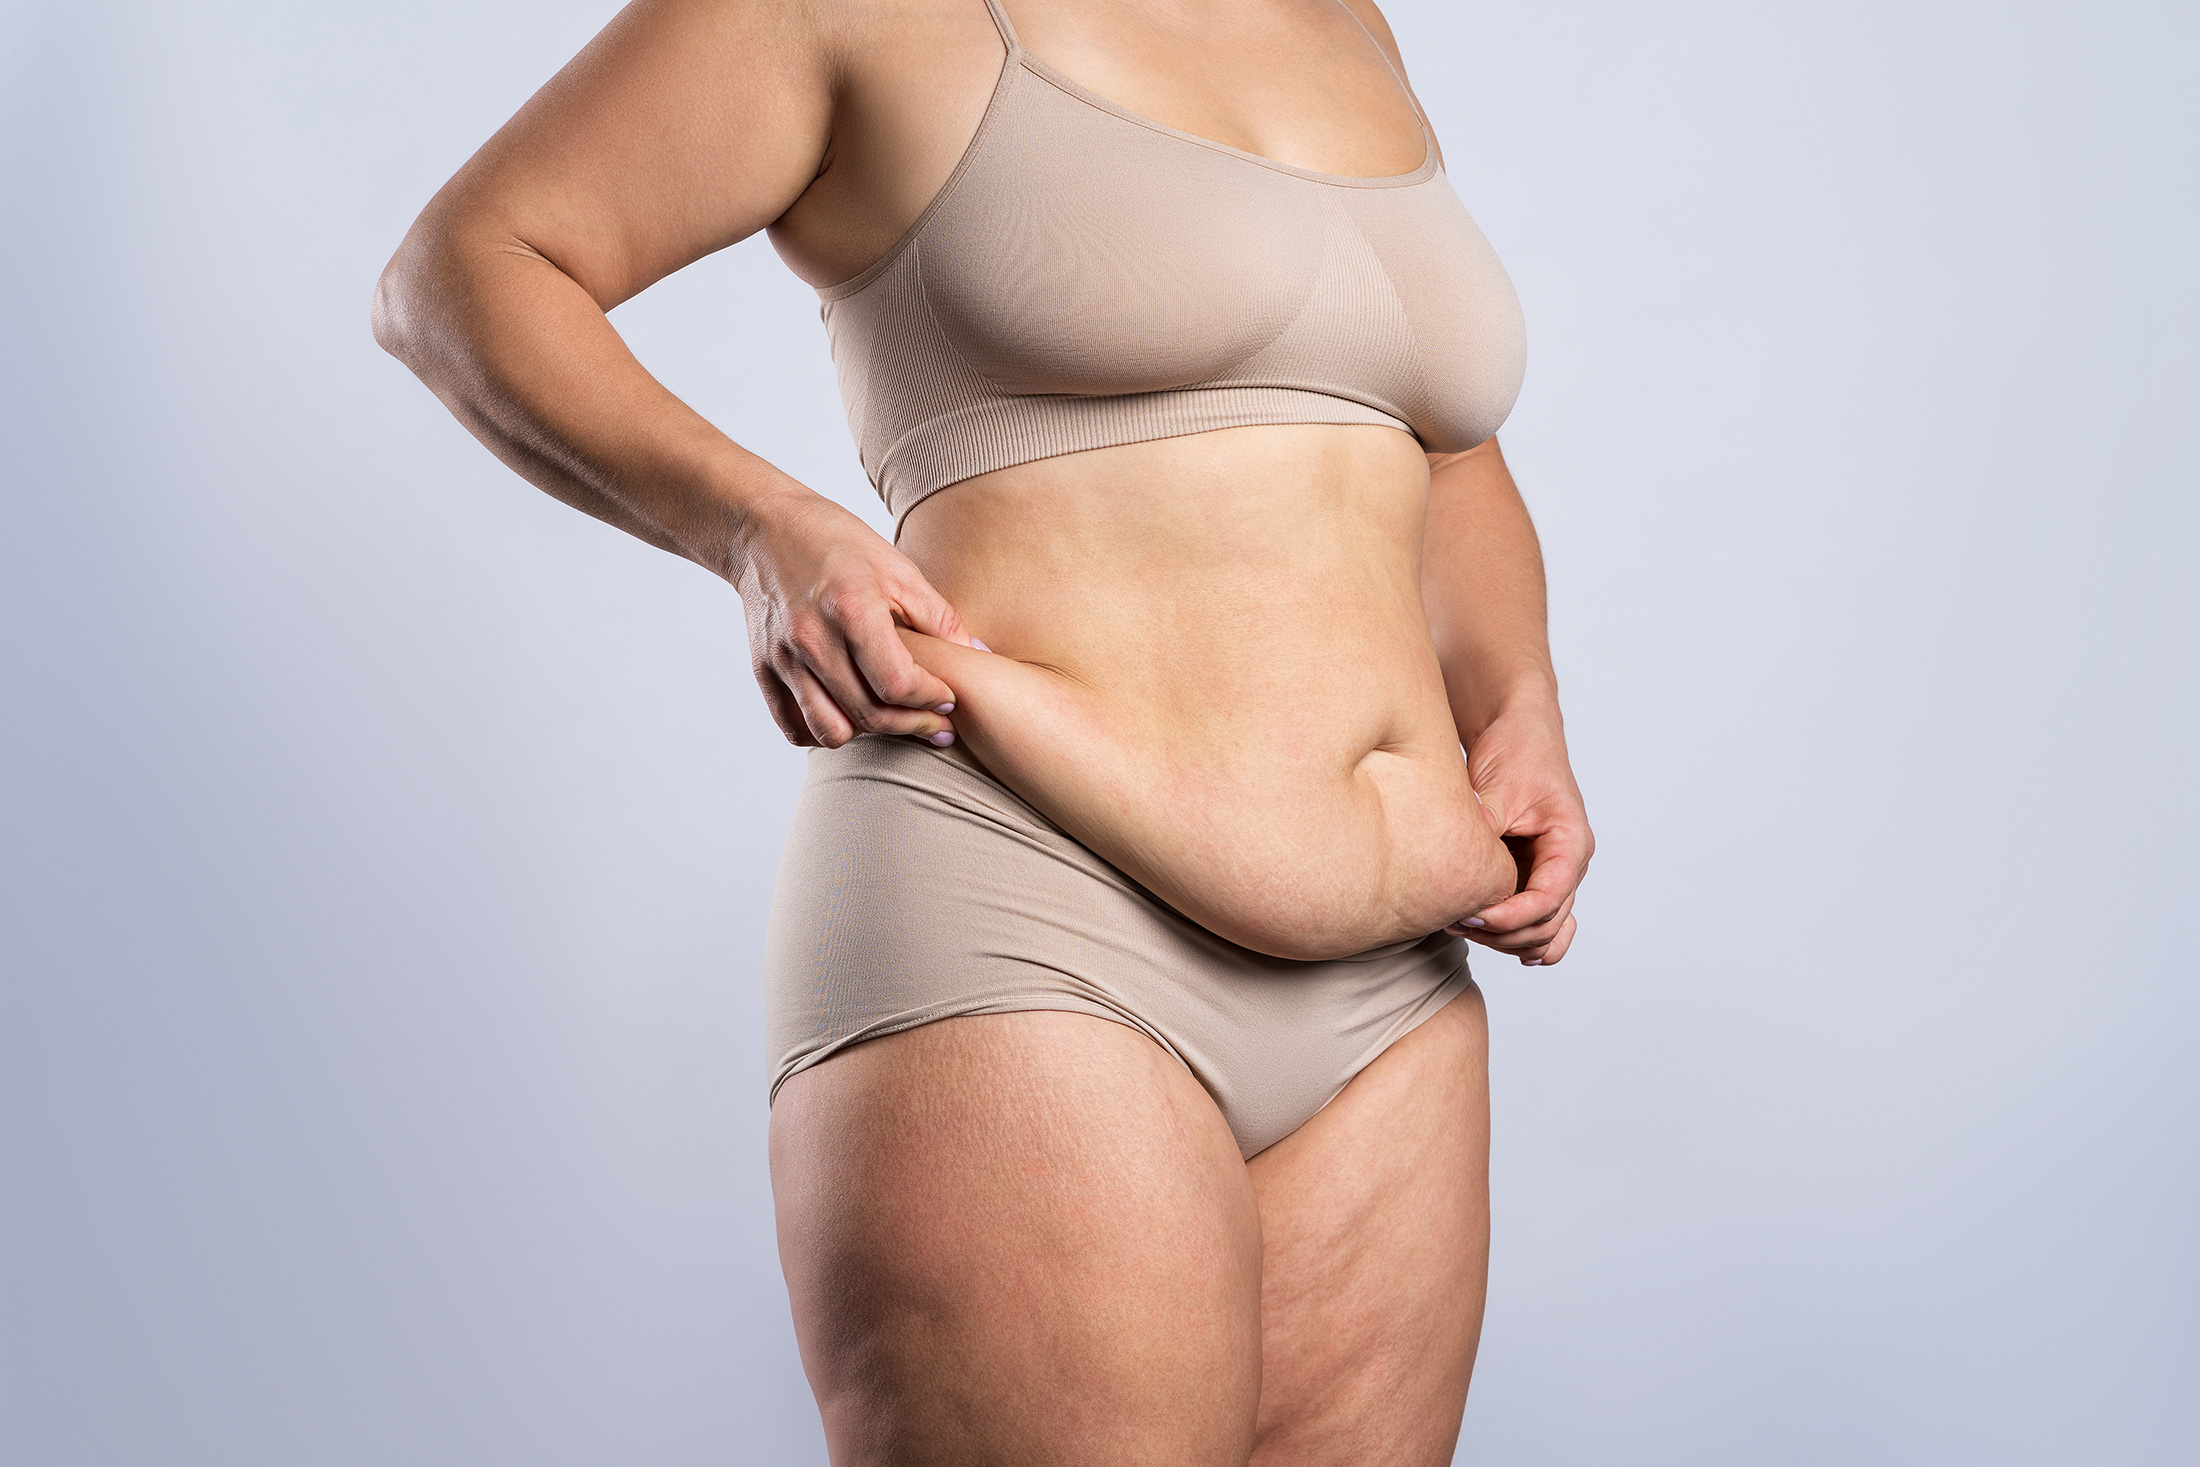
(945, 708)
(943, 738)
(1474, 922)
(1531, 963)
(982, 647)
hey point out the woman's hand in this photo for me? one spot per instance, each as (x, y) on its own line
(1482, 582)
(823, 594)
(1519, 768)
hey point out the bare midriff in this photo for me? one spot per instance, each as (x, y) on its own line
(1210, 664)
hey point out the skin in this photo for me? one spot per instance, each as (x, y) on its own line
(1138, 710)
(1240, 665)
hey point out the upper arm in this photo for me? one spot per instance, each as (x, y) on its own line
(684, 126)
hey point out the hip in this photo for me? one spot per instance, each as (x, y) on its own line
(916, 888)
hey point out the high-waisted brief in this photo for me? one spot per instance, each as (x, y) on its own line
(915, 887)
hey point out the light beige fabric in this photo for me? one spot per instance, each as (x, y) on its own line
(914, 887)
(1089, 277)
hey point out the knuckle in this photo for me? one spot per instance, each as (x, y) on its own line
(844, 604)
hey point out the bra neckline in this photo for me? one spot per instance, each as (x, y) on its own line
(1428, 167)
(1017, 60)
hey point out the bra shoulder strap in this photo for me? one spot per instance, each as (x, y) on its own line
(1396, 74)
(1008, 31)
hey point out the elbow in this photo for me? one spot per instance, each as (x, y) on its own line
(415, 290)
(385, 317)
(396, 313)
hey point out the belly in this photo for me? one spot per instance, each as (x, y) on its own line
(1211, 666)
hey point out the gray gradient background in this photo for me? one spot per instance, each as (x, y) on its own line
(387, 846)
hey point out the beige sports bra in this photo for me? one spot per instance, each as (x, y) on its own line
(1088, 277)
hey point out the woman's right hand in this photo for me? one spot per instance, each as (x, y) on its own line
(823, 593)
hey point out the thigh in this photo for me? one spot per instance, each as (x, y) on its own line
(1019, 1238)
(1375, 1226)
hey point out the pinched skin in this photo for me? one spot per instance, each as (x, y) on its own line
(1210, 664)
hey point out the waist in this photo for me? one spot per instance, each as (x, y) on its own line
(1211, 664)
(1186, 580)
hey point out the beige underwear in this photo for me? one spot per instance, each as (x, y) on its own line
(915, 887)
(1088, 277)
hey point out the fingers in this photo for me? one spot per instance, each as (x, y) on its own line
(1521, 938)
(1522, 941)
(891, 677)
(824, 595)
(833, 665)
(786, 711)
(926, 610)
(828, 727)
(1536, 948)
(837, 704)
(1535, 924)
(852, 679)
(851, 647)
(1554, 871)
(1559, 944)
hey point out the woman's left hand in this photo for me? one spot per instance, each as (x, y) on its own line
(1519, 769)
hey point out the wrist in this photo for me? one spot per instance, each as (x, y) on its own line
(757, 511)
(1525, 693)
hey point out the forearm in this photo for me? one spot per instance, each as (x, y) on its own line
(526, 359)
(1482, 588)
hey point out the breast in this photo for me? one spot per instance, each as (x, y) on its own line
(1084, 255)
(1469, 351)
(1088, 280)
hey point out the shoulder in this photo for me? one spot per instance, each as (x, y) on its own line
(1368, 15)
(779, 33)
(890, 32)
(1366, 12)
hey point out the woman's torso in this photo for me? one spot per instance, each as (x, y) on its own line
(1211, 661)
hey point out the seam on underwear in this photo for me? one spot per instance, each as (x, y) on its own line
(1417, 356)
(1088, 1006)
(940, 334)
